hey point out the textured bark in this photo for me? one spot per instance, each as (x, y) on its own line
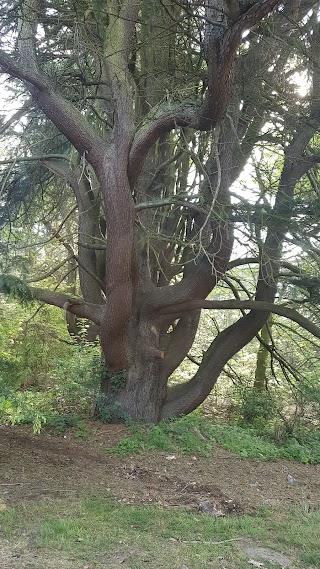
(142, 396)
(74, 305)
(120, 260)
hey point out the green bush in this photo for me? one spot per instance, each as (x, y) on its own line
(71, 388)
(61, 423)
(258, 407)
(24, 407)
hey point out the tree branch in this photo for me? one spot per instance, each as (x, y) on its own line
(254, 305)
(39, 158)
(61, 112)
(194, 115)
(74, 305)
(15, 117)
(123, 17)
(51, 271)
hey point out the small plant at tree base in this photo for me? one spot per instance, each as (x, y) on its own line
(107, 412)
(118, 381)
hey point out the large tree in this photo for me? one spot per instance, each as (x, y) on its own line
(156, 108)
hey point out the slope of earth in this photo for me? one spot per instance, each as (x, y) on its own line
(45, 467)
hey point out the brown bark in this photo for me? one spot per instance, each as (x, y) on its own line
(73, 304)
(177, 344)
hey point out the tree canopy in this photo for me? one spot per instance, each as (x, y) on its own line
(154, 149)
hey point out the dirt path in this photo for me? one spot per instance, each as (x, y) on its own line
(45, 467)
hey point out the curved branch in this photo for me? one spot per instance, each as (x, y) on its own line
(11, 67)
(171, 117)
(221, 57)
(180, 341)
(63, 114)
(186, 397)
(51, 271)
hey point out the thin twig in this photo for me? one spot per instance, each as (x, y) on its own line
(14, 483)
(212, 542)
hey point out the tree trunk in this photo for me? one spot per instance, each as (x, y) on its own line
(139, 391)
(260, 379)
(141, 399)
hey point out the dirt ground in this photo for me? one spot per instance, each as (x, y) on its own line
(46, 467)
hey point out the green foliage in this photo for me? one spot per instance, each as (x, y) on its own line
(306, 398)
(108, 412)
(103, 409)
(24, 407)
(30, 344)
(66, 376)
(196, 434)
(15, 288)
(75, 381)
(258, 407)
(82, 430)
(118, 381)
(180, 435)
(60, 423)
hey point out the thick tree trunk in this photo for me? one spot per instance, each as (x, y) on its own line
(139, 391)
(141, 398)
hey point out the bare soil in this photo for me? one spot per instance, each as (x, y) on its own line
(46, 467)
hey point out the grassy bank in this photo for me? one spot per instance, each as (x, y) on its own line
(96, 532)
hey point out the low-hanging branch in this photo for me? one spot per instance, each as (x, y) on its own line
(34, 158)
(69, 303)
(257, 305)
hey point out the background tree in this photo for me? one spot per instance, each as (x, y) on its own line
(155, 109)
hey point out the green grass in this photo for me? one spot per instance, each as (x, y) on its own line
(96, 530)
(195, 434)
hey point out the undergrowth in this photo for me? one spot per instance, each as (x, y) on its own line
(196, 434)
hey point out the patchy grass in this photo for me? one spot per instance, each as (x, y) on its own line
(195, 434)
(101, 532)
